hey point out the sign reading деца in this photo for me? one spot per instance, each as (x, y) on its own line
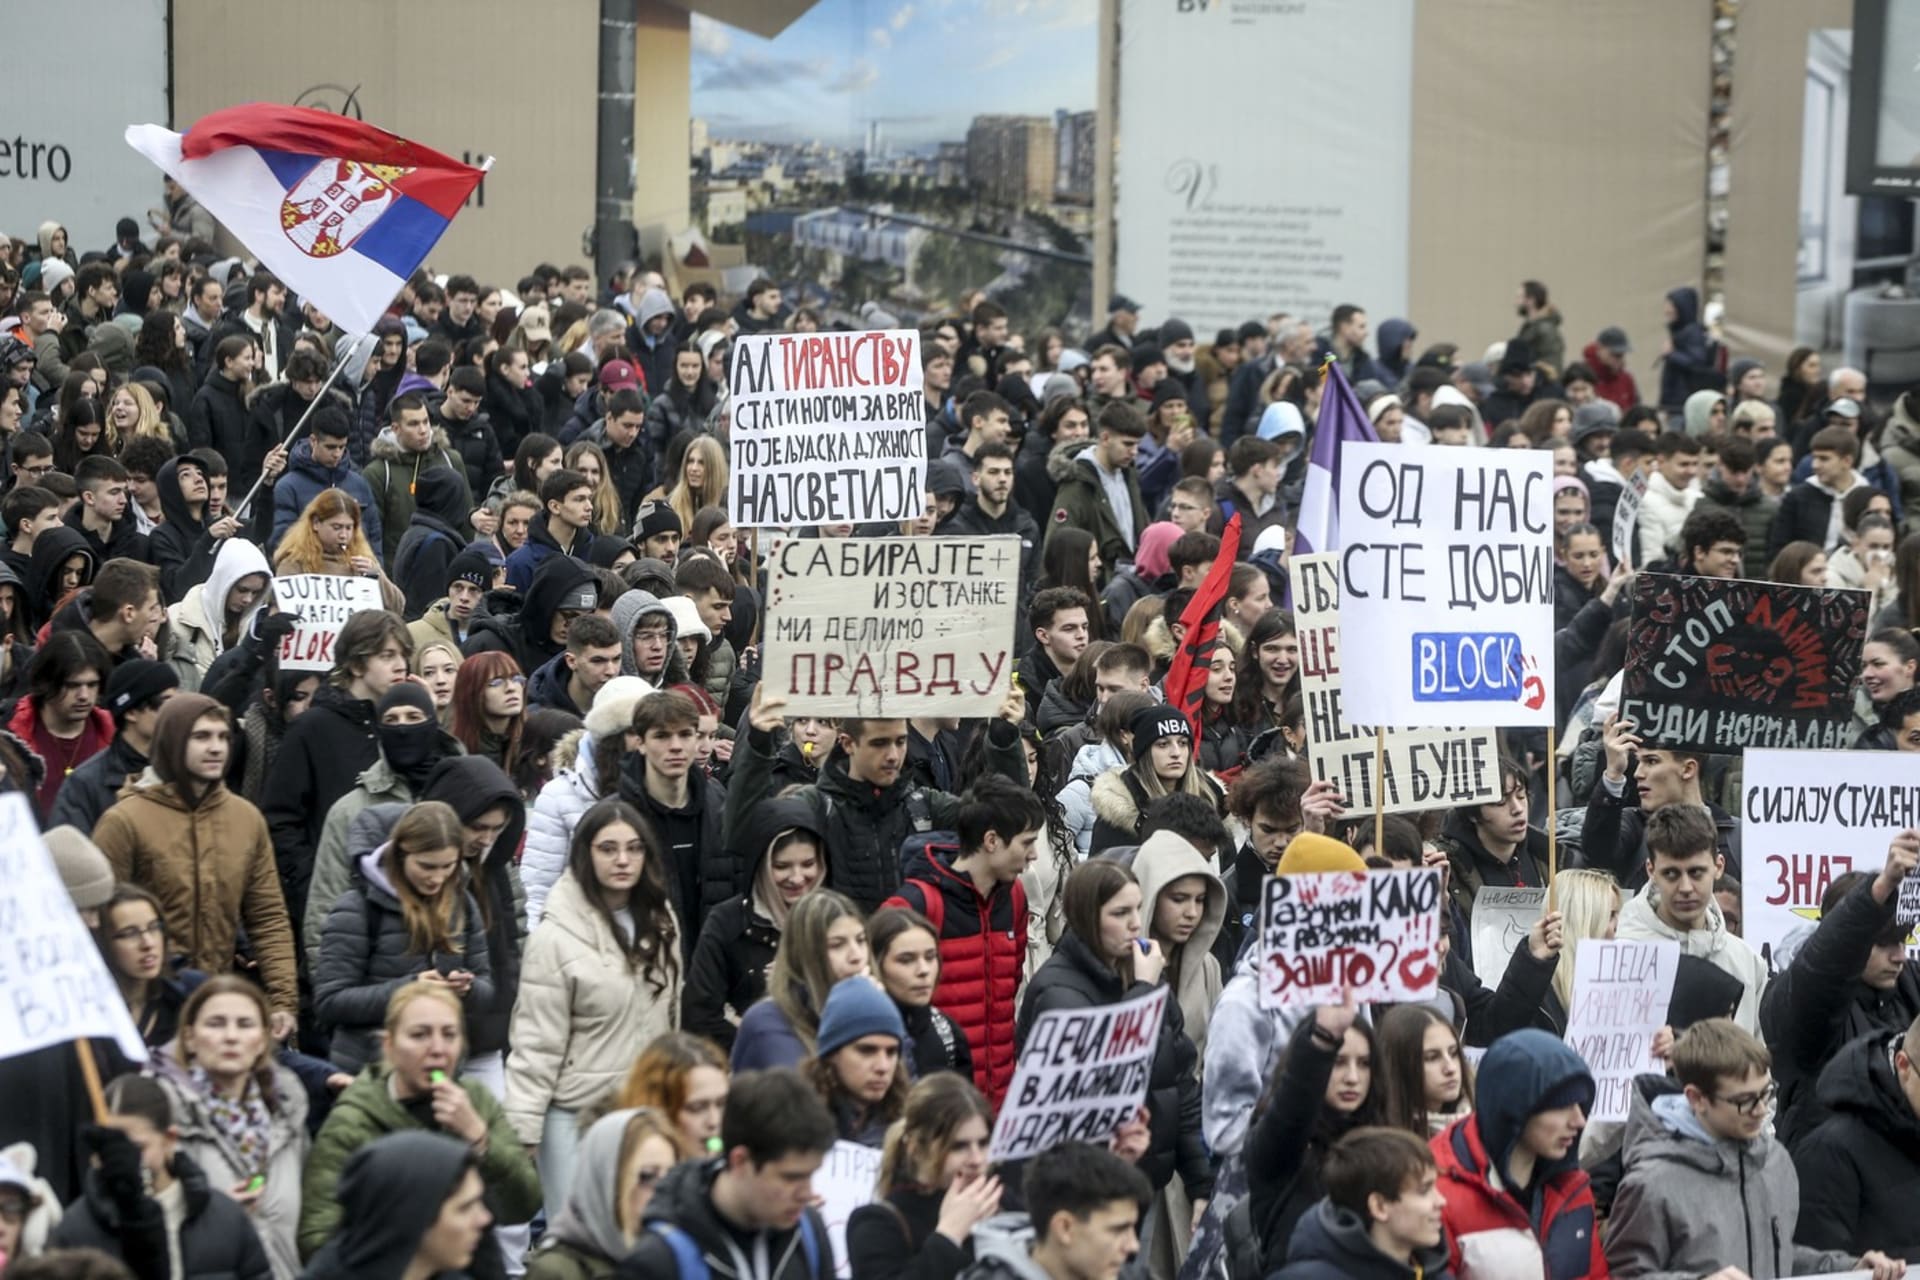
(324, 602)
(1374, 933)
(893, 627)
(1446, 585)
(1722, 664)
(1420, 768)
(828, 429)
(1621, 991)
(1082, 1074)
(1807, 818)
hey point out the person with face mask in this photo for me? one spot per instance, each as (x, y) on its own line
(411, 744)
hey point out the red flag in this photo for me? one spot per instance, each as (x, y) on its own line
(1186, 683)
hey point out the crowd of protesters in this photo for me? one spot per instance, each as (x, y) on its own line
(535, 937)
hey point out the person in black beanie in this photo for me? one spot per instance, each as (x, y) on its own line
(467, 579)
(135, 692)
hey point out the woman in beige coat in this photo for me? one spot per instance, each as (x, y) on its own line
(600, 980)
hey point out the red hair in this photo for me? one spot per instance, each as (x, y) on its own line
(470, 704)
(702, 700)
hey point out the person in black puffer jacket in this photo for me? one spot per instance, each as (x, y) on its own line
(324, 750)
(1079, 976)
(784, 843)
(139, 1169)
(1859, 1168)
(370, 947)
(866, 806)
(472, 436)
(1319, 1092)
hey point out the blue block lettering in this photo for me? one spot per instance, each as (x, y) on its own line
(1466, 666)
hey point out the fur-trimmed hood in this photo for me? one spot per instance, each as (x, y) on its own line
(1060, 459)
(1115, 801)
(386, 445)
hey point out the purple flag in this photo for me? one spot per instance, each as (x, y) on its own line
(1341, 419)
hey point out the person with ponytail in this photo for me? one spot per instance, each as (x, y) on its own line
(935, 1187)
(407, 917)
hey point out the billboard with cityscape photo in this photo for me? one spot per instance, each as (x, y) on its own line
(896, 155)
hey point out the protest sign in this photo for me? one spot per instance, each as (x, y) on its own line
(1626, 517)
(1501, 919)
(1721, 664)
(828, 428)
(1620, 995)
(1374, 933)
(1806, 818)
(324, 602)
(893, 627)
(846, 1180)
(1446, 585)
(54, 985)
(1421, 768)
(1082, 1074)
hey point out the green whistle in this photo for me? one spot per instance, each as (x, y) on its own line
(436, 1076)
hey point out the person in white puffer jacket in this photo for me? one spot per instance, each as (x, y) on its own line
(576, 787)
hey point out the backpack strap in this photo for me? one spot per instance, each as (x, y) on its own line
(687, 1257)
(810, 1245)
(933, 904)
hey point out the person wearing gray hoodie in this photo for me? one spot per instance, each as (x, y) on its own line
(1707, 1185)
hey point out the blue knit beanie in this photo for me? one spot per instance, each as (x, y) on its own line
(857, 1007)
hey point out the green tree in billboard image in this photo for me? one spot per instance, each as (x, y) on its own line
(902, 156)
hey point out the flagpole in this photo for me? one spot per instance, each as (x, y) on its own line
(239, 513)
(1553, 850)
(1380, 792)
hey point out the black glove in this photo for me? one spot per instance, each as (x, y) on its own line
(271, 628)
(118, 1161)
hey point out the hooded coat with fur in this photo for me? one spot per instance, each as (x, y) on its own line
(392, 475)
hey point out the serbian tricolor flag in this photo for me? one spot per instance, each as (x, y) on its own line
(1186, 684)
(340, 211)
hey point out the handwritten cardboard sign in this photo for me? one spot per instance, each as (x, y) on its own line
(324, 602)
(1446, 585)
(1421, 768)
(828, 428)
(1501, 918)
(847, 1179)
(1375, 933)
(1621, 991)
(1082, 1074)
(54, 985)
(893, 627)
(1626, 517)
(1721, 664)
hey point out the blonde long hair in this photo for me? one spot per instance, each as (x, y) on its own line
(1586, 900)
(606, 499)
(148, 422)
(301, 550)
(686, 501)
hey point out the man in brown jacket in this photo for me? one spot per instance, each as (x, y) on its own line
(204, 852)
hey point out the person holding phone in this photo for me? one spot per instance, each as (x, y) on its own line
(408, 916)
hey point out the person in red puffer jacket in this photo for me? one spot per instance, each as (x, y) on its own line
(1517, 1201)
(974, 899)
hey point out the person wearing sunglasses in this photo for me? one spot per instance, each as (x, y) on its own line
(1706, 1183)
(621, 1161)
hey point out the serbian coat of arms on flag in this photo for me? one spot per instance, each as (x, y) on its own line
(342, 212)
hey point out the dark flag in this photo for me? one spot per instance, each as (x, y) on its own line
(1186, 682)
